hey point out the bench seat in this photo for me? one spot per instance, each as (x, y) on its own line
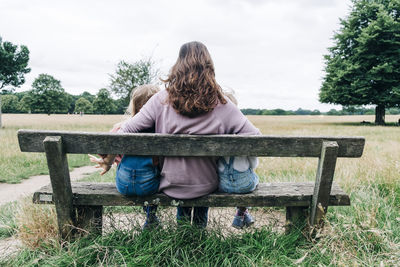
(267, 194)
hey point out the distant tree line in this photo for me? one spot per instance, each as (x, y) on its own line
(343, 111)
(61, 102)
(48, 96)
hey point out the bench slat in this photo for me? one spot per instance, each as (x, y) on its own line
(190, 145)
(267, 194)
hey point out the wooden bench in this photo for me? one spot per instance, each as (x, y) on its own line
(80, 205)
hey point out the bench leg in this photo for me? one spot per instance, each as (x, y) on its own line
(295, 217)
(323, 182)
(89, 219)
(61, 185)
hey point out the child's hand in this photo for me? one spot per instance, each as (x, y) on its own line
(116, 127)
(103, 163)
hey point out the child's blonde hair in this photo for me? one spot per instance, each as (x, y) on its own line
(231, 95)
(139, 96)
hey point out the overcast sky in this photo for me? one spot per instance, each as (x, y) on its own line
(270, 52)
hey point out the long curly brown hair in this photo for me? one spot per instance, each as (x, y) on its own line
(191, 83)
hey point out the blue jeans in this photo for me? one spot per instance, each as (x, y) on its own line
(136, 176)
(236, 182)
(200, 215)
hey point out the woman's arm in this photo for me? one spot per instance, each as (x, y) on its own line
(235, 122)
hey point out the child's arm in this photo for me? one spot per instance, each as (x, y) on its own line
(253, 162)
(104, 163)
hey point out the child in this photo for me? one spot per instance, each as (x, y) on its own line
(236, 175)
(136, 175)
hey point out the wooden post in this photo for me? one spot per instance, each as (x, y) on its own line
(295, 217)
(90, 219)
(61, 184)
(323, 182)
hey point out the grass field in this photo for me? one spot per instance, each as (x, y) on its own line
(15, 165)
(365, 234)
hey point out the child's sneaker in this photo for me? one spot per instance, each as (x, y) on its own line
(238, 222)
(248, 219)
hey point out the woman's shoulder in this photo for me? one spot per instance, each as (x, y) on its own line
(161, 96)
(157, 100)
(227, 109)
(232, 119)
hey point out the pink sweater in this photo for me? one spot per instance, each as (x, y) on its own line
(188, 177)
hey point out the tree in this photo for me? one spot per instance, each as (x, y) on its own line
(13, 65)
(120, 106)
(25, 103)
(315, 112)
(130, 75)
(83, 105)
(363, 66)
(103, 103)
(88, 96)
(9, 104)
(47, 95)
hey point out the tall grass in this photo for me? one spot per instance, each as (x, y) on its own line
(365, 234)
(185, 246)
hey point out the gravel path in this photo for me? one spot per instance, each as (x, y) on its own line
(12, 192)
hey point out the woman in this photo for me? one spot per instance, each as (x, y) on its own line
(193, 103)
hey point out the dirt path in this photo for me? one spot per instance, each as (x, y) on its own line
(12, 192)
(9, 246)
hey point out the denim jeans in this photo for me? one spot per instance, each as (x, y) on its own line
(236, 182)
(200, 215)
(136, 176)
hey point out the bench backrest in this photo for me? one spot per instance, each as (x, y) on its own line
(56, 144)
(191, 145)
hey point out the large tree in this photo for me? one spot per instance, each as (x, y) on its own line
(13, 65)
(48, 96)
(130, 75)
(363, 66)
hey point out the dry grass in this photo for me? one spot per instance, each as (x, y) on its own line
(60, 122)
(379, 163)
(37, 224)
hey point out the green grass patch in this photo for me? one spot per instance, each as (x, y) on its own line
(185, 246)
(22, 166)
(8, 225)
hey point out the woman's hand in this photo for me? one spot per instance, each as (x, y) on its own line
(104, 163)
